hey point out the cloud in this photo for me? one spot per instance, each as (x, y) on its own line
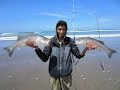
(104, 20)
(53, 14)
(91, 12)
(101, 20)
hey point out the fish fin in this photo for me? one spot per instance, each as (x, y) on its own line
(97, 40)
(21, 36)
(111, 51)
(9, 50)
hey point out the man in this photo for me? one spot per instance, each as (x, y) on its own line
(60, 50)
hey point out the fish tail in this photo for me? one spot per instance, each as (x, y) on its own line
(9, 50)
(111, 51)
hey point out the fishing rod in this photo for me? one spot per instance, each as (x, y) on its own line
(73, 19)
(73, 28)
(99, 37)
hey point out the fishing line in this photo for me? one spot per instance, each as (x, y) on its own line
(97, 24)
(76, 63)
(101, 63)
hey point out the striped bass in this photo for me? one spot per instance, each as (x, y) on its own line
(100, 44)
(21, 42)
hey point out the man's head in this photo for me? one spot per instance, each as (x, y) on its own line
(61, 29)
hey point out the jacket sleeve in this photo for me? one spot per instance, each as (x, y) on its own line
(75, 50)
(44, 56)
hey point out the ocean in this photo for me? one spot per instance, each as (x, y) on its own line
(76, 33)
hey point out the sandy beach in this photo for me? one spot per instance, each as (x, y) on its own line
(25, 71)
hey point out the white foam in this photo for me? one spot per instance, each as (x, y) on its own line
(92, 35)
(8, 38)
(76, 36)
(3, 34)
(92, 30)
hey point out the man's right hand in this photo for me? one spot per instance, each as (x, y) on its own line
(31, 44)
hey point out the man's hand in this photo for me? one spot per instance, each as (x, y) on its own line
(91, 46)
(31, 44)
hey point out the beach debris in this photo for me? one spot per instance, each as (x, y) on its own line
(83, 78)
(100, 44)
(103, 71)
(36, 78)
(81, 75)
(109, 78)
(22, 39)
(9, 76)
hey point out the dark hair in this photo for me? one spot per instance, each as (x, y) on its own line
(61, 22)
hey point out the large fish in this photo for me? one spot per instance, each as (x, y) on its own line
(21, 42)
(100, 44)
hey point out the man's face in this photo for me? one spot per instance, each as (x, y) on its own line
(61, 30)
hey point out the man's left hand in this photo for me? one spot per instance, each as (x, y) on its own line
(91, 46)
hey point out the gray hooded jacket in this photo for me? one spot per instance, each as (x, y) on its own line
(60, 63)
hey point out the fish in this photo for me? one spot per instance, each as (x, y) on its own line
(100, 44)
(22, 39)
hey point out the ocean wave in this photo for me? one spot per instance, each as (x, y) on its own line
(93, 31)
(92, 35)
(16, 34)
(70, 32)
(7, 34)
(9, 38)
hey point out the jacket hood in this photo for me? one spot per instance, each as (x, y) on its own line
(61, 23)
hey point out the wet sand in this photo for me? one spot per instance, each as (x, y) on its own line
(25, 71)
